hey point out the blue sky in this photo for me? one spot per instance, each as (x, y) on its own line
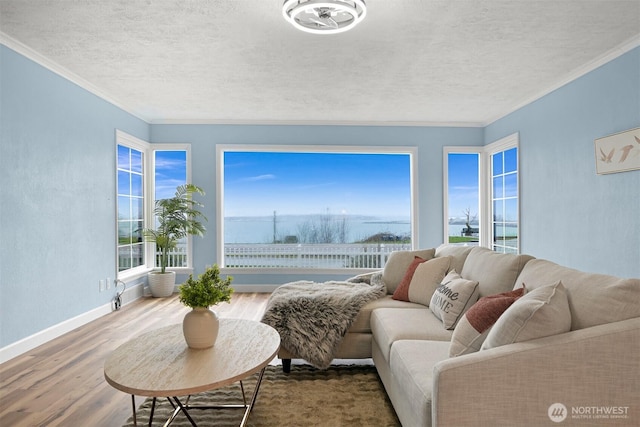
(463, 172)
(258, 183)
(171, 167)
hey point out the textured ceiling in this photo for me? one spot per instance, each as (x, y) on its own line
(239, 61)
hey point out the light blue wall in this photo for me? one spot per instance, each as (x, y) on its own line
(57, 182)
(569, 214)
(57, 186)
(428, 140)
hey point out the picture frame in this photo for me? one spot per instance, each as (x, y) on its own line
(619, 152)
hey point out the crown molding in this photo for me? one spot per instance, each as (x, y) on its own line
(47, 63)
(314, 123)
(608, 56)
(65, 73)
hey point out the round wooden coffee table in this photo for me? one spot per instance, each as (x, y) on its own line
(159, 364)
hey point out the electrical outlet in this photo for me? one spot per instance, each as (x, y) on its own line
(108, 282)
(101, 285)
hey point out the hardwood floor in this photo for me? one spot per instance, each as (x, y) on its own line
(61, 383)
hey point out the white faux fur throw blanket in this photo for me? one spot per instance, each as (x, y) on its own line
(312, 318)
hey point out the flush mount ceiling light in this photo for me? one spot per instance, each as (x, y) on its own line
(324, 16)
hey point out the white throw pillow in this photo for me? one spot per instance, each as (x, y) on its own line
(427, 278)
(540, 313)
(452, 298)
(423, 282)
(397, 265)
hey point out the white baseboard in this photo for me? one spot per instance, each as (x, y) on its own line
(29, 343)
(255, 288)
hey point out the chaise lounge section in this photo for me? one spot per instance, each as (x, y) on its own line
(561, 341)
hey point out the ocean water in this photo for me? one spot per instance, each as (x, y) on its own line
(260, 229)
(456, 230)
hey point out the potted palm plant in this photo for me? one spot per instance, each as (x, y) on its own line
(200, 325)
(176, 217)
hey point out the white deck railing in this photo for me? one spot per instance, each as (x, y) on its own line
(310, 255)
(356, 255)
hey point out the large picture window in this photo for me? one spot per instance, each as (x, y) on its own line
(320, 207)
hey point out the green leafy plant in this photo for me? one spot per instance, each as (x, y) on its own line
(209, 289)
(177, 217)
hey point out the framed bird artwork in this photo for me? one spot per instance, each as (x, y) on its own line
(619, 152)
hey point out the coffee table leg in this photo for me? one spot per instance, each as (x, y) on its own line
(133, 407)
(184, 410)
(153, 409)
(179, 406)
(249, 408)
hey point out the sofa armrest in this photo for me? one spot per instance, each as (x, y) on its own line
(593, 372)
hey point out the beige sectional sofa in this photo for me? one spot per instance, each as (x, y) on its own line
(567, 351)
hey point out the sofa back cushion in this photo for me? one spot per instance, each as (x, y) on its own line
(457, 253)
(594, 299)
(397, 265)
(495, 272)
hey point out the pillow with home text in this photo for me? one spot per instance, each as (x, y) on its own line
(452, 298)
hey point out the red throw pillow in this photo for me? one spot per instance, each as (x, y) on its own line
(484, 313)
(474, 326)
(402, 291)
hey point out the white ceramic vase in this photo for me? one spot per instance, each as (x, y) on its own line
(162, 285)
(200, 327)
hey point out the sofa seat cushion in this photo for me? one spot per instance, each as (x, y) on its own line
(495, 272)
(389, 325)
(594, 299)
(362, 322)
(411, 363)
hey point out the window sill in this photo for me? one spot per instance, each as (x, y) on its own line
(305, 271)
(129, 276)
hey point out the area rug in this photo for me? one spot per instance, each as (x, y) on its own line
(342, 395)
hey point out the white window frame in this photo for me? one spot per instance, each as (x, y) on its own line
(131, 141)
(148, 180)
(221, 148)
(171, 147)
(445, 180)
(504, 144)
(485, 211)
